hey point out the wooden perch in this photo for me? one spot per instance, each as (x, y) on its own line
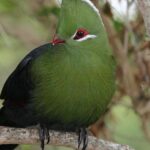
(31, 136)
(144, 6)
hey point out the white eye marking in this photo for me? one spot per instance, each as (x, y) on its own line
(74, 35)
(82, 34)
(89, 36)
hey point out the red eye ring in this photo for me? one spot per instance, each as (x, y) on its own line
(80, 33)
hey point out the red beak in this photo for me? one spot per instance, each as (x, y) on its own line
(57, 41)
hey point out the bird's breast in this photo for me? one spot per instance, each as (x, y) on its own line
(72, 90)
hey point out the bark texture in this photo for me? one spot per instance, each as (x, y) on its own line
(31, 136)
(144, 6)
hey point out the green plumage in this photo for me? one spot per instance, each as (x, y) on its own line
(66, 84)
(75, 81)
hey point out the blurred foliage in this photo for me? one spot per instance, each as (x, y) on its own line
(45, 11)
(7, 6)
(25, 25)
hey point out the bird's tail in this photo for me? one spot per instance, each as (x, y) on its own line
(5, 122)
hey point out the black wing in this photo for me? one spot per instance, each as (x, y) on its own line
(19, 85)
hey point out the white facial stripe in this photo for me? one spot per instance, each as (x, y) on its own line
(90, 36)
(91, 5)
(86, 1)
(74, 34)
(94, 8)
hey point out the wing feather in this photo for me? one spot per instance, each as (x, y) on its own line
(19, 85)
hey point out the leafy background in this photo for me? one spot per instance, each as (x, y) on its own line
(25, 25)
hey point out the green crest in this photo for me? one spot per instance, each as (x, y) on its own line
(79, 14)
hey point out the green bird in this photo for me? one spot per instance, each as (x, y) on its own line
(66, 84)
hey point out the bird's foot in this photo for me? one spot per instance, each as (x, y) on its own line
(83, 138)
(44, 135)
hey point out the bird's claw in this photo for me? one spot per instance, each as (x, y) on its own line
(44, 135)
(47, 135)
(83, 138)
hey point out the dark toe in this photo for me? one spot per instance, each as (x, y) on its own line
(44, 135)
(83, 138)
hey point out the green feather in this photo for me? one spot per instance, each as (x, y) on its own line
(77, 14)
(75, 80)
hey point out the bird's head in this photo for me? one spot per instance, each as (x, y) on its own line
(80, 24)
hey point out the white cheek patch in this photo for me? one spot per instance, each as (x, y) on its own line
(90, 36)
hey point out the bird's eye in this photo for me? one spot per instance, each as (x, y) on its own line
(80, 33)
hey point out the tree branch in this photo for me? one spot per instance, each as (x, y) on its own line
(31, 136)
(144, 6)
